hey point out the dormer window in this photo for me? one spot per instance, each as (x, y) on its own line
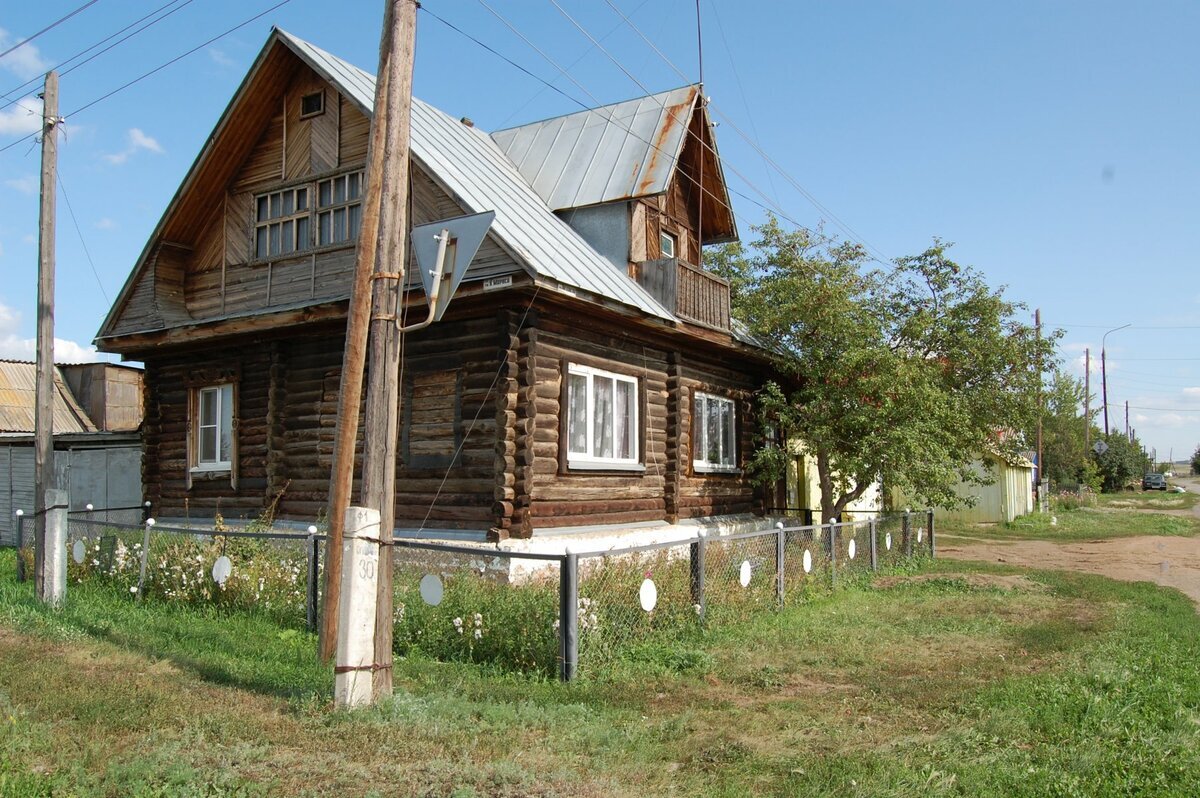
(666, 244)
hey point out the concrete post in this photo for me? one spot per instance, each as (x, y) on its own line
(52, 581)
(355, 662)
(20, 545)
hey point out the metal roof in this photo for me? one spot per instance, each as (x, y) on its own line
(473, 169)
(18, 380)
(620, 151)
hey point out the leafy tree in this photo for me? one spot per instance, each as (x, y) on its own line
(1064, 443)
(905, 373)
(1122, 463)
(1196, 460)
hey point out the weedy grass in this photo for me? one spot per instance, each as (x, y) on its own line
(956, 680)
(1148, 500)
(1084, 523)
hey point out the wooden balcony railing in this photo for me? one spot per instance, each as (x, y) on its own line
(688, 291)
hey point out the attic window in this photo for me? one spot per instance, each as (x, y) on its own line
(312, 104)
(666, 243)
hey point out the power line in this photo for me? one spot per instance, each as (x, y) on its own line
(82, 243)
(157, 69)
(86, 50)
(52, 25)
(1167, 409)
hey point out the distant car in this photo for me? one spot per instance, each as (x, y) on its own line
(1154, 482)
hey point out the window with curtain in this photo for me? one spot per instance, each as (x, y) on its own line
(602, 418)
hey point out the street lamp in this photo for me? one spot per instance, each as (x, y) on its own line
(1104, 373)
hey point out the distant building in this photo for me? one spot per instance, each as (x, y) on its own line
(97, 443)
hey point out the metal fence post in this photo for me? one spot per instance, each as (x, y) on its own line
(907, 534)
(141, 585)
(310, 594)
(20, 545)
(874, 527)
(145, 512)
(833, 555)
(568, 615)
(780, 538)
(696, 556)
(932, 545)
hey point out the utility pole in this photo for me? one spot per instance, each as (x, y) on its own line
(1087, 400)
(1127, 435)
(1041, 466)
(43, 424)
(374, 298)
(383, 390)
(1104, 372)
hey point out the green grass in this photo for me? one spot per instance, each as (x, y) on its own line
(1148, 500)
(969, 680)
(1086, 523)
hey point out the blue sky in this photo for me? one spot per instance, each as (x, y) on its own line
(1056, 143)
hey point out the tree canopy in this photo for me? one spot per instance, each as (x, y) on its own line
(906, 372)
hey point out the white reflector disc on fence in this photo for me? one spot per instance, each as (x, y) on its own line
(920, 533)
(78, 552)
(807, 561)
(887, 541)
(851, 548)
(744, 573)
(222, 568)
(648, 595)
(431, 589)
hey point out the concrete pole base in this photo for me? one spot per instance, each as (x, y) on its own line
(355, 660)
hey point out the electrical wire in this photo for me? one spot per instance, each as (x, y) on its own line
(62, 186)
(86, 50)
(157, 69)
(51, 26)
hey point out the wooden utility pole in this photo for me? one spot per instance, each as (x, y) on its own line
(43, 423)
(373, 307)
(1041, 467)
(383, 390)
(1087, 401)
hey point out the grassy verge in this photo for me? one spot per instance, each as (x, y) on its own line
(962, 681)
(1085, 523)
(1148, 500)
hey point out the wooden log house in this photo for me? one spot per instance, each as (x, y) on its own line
(586, 373)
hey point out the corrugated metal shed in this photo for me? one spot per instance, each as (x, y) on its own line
(620, 151)
(18, 381)
(476, 172)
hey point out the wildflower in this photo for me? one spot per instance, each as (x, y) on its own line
(458, 625)
(697, 608)
(133, 588)
(478, 634)
(478, 620)
(95, 562)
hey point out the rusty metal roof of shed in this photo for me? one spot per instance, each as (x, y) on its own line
(615, 152)
(18, 380)
(471, 166)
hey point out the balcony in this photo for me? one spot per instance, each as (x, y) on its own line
(688, 291)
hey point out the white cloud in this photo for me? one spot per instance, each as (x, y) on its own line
(26, 61)
(26, 184)
(105, 224)
(21, 118)
(14, 347)
(28, 238)
(137, 141)
(1191, 394)
(220, 58)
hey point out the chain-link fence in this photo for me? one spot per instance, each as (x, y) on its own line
(581, 612)
(275, 573)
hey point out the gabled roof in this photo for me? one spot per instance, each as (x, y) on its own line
(464, 161)
(475, 172)
(18, 381)
(618, 152)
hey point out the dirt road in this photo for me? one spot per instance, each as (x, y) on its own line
(1169, 561)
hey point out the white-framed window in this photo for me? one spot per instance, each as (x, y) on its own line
(714, 422)
(281, 222)
(667, 244)
(602, 418)
(214, 428)
(339, 208)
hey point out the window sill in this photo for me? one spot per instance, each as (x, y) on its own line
(707, 468)
(592, 465)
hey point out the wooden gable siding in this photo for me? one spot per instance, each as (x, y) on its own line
(355, 130)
